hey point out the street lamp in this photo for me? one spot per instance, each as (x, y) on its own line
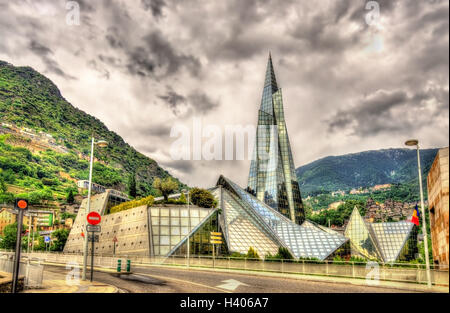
(189, 226)
(101, 144)
(415, 142)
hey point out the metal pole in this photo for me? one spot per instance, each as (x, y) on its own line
(424, 225)
(29, 233)
(88, 210)
(32, 243)
(189, 231)
(18, 246)
(92, 255)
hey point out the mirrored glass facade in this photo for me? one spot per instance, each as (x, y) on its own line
(272, 178)
(169, 225)
(360, 239)
(388, 242)
(199, 239)
(391, 238)
(309, 241)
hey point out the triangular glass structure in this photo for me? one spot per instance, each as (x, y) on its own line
(306, 241)
(390, 238)
(170, 225)
(200, 238)
(272, 178)
(361, 241)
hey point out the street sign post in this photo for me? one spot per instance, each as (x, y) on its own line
(93, 228)
(114, 247)
(20, 205)
(215, 239)
(93, 218)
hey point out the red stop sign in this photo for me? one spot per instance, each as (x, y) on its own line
(94, 218)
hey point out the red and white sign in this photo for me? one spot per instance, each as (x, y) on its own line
(94, 218)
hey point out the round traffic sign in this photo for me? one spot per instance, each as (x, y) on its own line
(94, 218)
(22, 204)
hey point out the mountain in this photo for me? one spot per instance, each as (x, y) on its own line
(33, 105)
(364, 169)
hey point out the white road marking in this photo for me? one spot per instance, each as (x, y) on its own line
(231, 284)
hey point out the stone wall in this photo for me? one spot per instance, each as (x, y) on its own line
(438, 200)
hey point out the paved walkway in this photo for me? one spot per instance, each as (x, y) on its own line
(56, 283)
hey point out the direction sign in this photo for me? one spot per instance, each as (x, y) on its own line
(215, 233)
(216, 242)
(93, 228)
(95, 238)
(93, 218)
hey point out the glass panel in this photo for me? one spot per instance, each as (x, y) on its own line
(154, 211)
(164, 230)
(164, 240)
(164, 212)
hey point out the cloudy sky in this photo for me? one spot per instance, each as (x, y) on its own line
(352, 80)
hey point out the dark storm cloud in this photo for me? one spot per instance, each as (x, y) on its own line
(45, 54)
(158, 58)
(155, 6)
(170, 60)
(173, 100)
(97, 67)
(380, 113)
(201, 102)
(198, 102)
(186, 167)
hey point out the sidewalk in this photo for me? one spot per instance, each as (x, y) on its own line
(56, 283)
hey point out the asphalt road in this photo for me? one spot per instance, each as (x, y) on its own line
(175, 280)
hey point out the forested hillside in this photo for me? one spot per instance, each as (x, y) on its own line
(30, 101)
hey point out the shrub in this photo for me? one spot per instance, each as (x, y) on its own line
(132, 204)
(202, 198)
(252, 253)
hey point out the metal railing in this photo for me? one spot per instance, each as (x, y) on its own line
(32, 270)
(399, 272)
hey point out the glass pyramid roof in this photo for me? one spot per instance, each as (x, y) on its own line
(243, 228)
(391, 237)
(361, 240)
(306, 241)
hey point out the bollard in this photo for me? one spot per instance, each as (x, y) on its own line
(128, 265)
(119, 265)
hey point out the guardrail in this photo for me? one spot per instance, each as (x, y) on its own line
(400, 272)
(32, 271)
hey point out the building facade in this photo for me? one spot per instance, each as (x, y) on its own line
(272, 178)
(438, 205)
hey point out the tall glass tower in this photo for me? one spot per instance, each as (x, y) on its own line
(272, 177)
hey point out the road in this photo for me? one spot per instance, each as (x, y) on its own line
(176, 280)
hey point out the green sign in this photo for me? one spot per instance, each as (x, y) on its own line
(45, 219)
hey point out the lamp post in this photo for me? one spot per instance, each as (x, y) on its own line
(101, 144)
(415, 142)
(189, 228)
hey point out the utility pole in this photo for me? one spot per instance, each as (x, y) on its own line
(88, 210)
(189, 231)
(415, 142)
(20, 205)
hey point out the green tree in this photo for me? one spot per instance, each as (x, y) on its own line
(202, 198)
(3, 187)
(9, 237)
(70, 197)
(182, 199)
(61, 238)
(165, 186)
(132, 191)
(252, 253)
(283, 253)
